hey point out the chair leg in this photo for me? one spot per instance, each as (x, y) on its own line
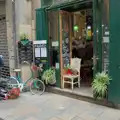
(63, 83)
(79, 82)
(72, 84)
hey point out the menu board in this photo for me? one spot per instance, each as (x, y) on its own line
(106, 54)
(66, 49)
(65, 39)
(40, 48)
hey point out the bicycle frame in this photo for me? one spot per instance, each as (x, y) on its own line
(18, 79)
(20, 82)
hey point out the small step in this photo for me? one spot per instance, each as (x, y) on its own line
(74, 95)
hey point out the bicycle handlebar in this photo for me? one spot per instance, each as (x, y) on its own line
(25, 62)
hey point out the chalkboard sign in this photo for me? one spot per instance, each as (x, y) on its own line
(66, 49)
(65, 38)
(25, 52)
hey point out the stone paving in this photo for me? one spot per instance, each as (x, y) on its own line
(54, 107)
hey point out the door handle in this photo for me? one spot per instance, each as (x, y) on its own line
(95, 59)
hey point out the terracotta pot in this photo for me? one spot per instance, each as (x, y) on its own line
(64, 71)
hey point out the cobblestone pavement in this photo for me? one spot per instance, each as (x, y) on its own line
(54, 107)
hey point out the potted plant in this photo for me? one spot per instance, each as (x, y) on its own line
(100, 85)
(68, 69)
(24, 37)
(49, 76)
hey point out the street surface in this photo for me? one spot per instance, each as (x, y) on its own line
(54, 107)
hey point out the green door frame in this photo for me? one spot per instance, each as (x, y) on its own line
(97, 25)
(42, 34)
(97, 33)
(58, 8)
(41, 31)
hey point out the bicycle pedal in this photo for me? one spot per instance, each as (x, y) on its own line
(26, 89)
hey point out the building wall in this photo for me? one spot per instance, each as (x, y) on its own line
(3, 40)
(35, 4)
(10, 40)
(24, 23)
(25, 17)
(2, 8)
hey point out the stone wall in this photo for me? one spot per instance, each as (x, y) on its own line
(4, 46)
(24, 23)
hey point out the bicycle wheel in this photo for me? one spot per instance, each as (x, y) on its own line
(37, 87)
(12, 82)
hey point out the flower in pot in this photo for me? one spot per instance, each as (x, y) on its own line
(68, 69)
(49, 76)
(100, 85)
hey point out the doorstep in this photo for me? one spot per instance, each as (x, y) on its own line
(82, 97)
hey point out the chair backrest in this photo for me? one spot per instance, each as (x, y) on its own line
(76, 64)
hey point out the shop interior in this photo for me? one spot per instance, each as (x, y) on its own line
(80, 27)
(82, 43)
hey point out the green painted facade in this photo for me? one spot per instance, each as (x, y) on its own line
(97, 24)
(98, 14)
(114, 88)
(42, 32)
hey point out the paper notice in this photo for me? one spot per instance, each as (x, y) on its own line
(37, 52)
(44, 52)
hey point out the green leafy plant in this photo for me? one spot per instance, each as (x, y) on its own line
(23, 36)
(49, 76)
(100, 85)
(67, 67)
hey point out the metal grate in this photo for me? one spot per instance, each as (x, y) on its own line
(4, 47)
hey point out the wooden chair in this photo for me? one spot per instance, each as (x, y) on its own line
(73, 79)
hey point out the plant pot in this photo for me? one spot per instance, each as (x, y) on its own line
(69, 72)
(105, 101)
(64, 71)
(46, 85)
(52, 85)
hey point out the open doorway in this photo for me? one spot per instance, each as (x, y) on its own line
(77, 27)
(82, 43)
(82, 47)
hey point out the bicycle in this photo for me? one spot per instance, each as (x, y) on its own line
(35, 85)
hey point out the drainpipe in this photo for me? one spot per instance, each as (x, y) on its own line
(14, 33)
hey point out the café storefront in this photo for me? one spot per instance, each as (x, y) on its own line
(81, 25)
